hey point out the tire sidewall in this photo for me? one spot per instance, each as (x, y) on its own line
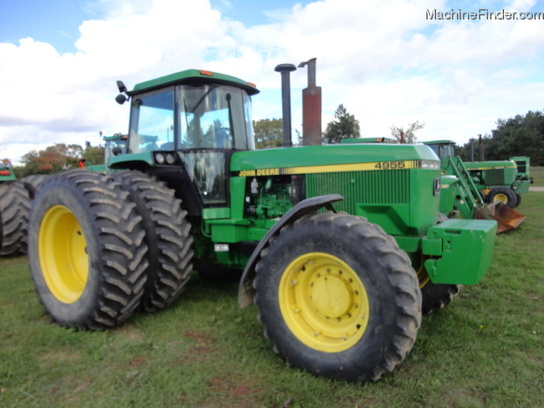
(59, 193)
(510, 195)
(381, 297)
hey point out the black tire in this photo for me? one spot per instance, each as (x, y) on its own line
(437, 296)
(357, 339)
(434, 296)
(33, 183)
(167, 236)
(518, 199)
(503, 194)
(14, 208)
(86, 250)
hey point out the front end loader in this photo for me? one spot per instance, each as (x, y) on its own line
(462, 198)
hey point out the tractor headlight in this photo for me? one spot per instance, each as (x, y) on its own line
(159, 158)
(170, 158)
(430, 164)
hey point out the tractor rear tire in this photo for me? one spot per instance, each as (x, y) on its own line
(504, 194)
(86, 250)
(167, 236)
(33, 183)
(337, 297)
(437, 296)
(14, 208)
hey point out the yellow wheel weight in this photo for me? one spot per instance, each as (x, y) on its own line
(63, 254)
(324, 302)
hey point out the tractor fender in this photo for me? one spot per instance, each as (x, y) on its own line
(307, 206)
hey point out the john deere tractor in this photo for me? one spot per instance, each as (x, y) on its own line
(115, 143)
(477, 189)
(341, 247)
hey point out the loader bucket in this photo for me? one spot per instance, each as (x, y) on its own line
(506, 217)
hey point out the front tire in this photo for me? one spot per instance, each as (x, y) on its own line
(437, 296)
(337, 297)
(505, 195)
(86, 250)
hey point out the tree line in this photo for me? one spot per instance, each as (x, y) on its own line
(522, 135)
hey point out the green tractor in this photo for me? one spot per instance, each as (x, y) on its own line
(340, 247)
(113, 145)
(465, 193)
(497, 180)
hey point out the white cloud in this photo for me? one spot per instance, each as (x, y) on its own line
(382, 59)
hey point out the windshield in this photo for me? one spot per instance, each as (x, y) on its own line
(443, 150)
(208, 117)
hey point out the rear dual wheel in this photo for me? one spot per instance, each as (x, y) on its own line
(167, 237)
(86, 250)
(337, 297)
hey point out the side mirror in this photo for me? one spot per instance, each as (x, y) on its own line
(122, 87)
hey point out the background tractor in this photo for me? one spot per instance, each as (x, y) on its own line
(115, 144)
(341, 246)
(465, 192)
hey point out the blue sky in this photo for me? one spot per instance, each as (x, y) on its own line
(57, 21)
(383, 60)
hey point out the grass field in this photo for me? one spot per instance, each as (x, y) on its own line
(484, 350)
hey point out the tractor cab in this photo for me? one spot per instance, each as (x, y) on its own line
(442, 148)
(189, 122)
(114, 145)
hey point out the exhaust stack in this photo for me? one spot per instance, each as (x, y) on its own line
(285, 70)
(311, 107)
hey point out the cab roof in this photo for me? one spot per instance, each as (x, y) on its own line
(194, 77)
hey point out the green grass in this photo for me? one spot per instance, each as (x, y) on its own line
(483, 350)
(537, 173)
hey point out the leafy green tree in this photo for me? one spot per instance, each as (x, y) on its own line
(407, 135)
(268, 133)
(343, 126)
(522, 135)
(94, 155)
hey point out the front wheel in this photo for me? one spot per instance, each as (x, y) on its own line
(337, 297)
(505, 195)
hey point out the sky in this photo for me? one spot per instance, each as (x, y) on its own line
(456, 66)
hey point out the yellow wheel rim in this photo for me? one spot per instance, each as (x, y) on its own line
(422, 275)
(63, 254)
(501, 197)
(324, 302)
